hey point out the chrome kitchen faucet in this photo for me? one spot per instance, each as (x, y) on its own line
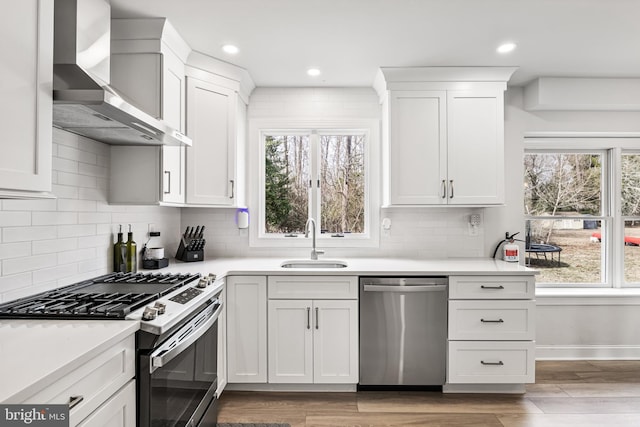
(314, 252)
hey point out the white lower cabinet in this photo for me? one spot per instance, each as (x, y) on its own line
(491, 362)
(118, 411)
(313, 329)
(313, 341)
(246, 329)
(101, 391)
(491, 330)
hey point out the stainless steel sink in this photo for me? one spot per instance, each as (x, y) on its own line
(309, 263)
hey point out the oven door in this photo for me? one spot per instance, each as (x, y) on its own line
(178, 380)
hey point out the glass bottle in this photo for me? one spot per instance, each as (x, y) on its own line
(132, 255)
(119, 249)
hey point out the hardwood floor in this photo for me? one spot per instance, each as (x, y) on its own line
(566, 394)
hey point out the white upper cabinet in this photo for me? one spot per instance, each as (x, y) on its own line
(418, 152)
(211, 124)
(444, 136)
(153, 49)
(26, 92)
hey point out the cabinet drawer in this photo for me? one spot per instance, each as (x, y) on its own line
(491, 362)
(492, 287)
(118, 411)
(313, 287)
(95, 381)
(492, 320)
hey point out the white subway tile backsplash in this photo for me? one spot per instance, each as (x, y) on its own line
(101, 240)
(29, 205)
(72, 153)
(15, 218)
(15, 250)
(94, 218)
(65, 165)
(54, 245)
(66, 178)
(55, 242)
(14, 281)
(28, 263)
(54, 273)
(76, 230)
(54, 218)
(76, 255)
(25, 234)
(65, 191)
(93, 170)
(97, 194)
(73, 205)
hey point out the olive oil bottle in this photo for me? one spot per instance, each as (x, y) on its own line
(132, 253)
(119, 254)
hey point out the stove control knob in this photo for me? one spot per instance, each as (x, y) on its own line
(203, 283)
(149, 313)
(212, 277)
(160, 307)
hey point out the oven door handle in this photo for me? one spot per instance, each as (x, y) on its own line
(170, 350)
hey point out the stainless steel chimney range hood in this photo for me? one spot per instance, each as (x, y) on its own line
(83, 101)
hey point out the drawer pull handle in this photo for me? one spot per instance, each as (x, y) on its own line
(74, 400)
(499, 363)
(491, 287)
(492, 321)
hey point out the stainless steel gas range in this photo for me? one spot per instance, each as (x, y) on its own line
(176, 346)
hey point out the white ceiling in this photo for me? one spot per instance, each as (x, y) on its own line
(350, 39)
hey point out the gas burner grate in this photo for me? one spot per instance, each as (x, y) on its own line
(112, 296)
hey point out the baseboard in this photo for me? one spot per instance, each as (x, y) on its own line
(588, 352)
(292, 387)
(484, 388)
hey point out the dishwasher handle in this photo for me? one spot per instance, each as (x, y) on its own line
(405, 289)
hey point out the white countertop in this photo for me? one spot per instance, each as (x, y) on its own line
(36, 353)
(356, 267)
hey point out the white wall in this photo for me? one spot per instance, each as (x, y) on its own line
(49, 243)
(573, 327)
(416, 233)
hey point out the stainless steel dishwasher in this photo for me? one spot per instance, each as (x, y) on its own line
(403, 331)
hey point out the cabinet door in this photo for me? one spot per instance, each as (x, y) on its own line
(211, 112)
(335, 341)
(222, 344)
(118, 411)
(173, 90)
(290, 341)
(475, 147)
(247, 329)
(26, 92)
(173, 175)
(417, 147)
(173, 112)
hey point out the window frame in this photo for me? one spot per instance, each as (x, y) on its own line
(259, 128)
(611, 147)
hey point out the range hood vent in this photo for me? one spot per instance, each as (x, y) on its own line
(83, 101)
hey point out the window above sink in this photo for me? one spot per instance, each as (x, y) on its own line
(325, 171)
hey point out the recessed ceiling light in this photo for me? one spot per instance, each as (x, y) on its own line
(313, 72)
(231, 49)
(506, 47)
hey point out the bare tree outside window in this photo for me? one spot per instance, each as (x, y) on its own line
(340, 184)
(561, 189)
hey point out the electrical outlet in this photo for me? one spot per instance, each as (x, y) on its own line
(475, 221)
